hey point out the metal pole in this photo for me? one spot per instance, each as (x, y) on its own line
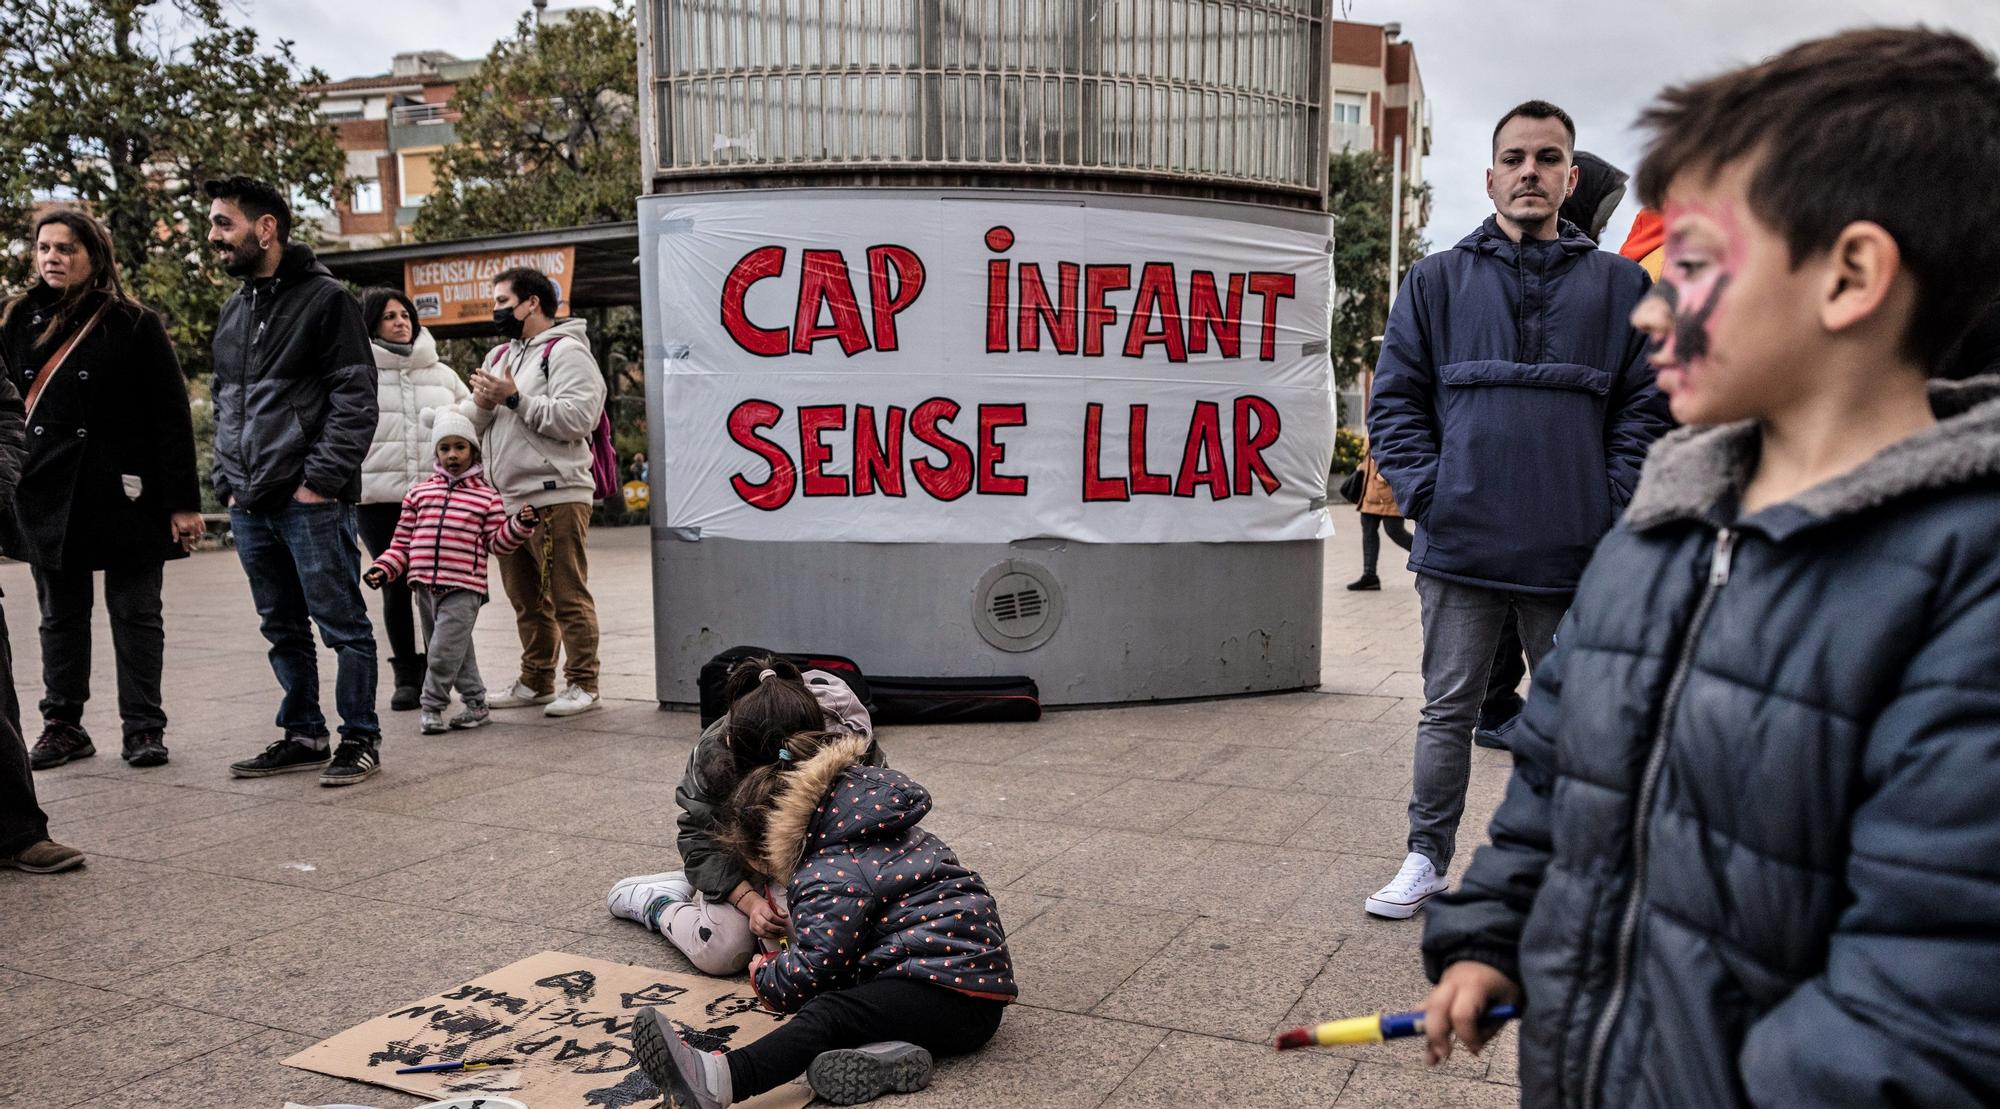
(1395, 218)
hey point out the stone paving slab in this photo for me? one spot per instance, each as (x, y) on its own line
(1180, 880)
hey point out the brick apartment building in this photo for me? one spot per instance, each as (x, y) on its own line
(1378, 96)
(391, 128)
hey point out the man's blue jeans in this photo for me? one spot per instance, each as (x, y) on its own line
(1462, 629)
(304, 564)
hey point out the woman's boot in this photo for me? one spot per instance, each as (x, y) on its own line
(409, 682)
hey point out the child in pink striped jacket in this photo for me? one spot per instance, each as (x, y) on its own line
(450, 521)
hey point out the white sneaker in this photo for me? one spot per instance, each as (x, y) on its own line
(571, 701)
(1412, 886)
(640, 899)
(519, 697)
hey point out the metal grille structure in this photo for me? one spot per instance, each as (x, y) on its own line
(1222, 92)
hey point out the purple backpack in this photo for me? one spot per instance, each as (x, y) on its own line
(604, 459)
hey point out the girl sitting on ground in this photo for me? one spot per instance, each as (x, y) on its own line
(711, 909)
(449, 522)
(895, 954)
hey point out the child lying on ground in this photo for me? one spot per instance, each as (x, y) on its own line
(450, 521)
(891, 940)
(1750, 853)
(710, 909)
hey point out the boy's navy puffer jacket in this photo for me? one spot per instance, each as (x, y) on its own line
(1513, 406)
(1750, 853)
(870, 893)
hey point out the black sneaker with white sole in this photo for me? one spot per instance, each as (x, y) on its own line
(289, 755)
(355, 760)
(850, 1076)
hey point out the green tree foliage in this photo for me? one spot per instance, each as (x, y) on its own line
(125, 107)
(547, 131)
(1359, 191)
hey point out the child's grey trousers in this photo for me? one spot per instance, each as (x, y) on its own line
(448, 616)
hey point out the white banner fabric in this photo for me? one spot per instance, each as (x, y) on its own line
(893, 368)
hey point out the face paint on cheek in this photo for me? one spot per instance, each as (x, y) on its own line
(1691, 338)
(1704, 253)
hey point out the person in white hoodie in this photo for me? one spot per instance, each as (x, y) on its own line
(409, 378)
(536, 401)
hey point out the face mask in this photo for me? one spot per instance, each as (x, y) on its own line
(508, 324)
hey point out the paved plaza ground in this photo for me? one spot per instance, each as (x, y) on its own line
(1178, 882)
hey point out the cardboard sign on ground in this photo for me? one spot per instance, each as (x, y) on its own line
(565, 1020)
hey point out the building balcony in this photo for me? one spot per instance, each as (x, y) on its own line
(1352, 136)
(422, 136)
(413, 115)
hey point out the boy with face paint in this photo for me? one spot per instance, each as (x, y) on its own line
(1750, 852)
(1512, 410)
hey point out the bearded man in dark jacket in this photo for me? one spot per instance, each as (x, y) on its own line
(295, 408)
(1511, 414)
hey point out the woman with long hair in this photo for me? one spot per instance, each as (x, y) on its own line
(409, 379)
(109, 486)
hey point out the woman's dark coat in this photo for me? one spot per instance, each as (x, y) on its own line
(110, 442)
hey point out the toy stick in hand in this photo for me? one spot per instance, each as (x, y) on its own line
(1375, 1027)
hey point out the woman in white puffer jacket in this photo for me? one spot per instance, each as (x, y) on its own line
(409, 379)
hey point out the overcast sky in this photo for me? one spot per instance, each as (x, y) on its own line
(1600, 59)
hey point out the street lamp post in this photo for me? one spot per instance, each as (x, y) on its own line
(1395, 217)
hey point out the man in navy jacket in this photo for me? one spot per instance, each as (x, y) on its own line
(1512, 411)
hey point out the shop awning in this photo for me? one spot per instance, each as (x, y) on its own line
(606, 259)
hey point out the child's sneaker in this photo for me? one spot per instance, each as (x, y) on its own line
(1413, 885)
(691, 1079)
(430, 722)
(850, 1076)
(643, 898)
(476, 715)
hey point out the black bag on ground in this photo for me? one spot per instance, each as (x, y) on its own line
(715, 674)
(996, 700)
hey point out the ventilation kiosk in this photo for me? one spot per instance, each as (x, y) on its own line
(990, 337)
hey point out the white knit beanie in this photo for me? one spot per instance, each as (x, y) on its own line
(449, 421)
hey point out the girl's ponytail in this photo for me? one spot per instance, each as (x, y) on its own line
(768, 700)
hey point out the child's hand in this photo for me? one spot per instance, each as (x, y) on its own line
(528, 517)
(766, 919)
(1465, 991)
(375, 578)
